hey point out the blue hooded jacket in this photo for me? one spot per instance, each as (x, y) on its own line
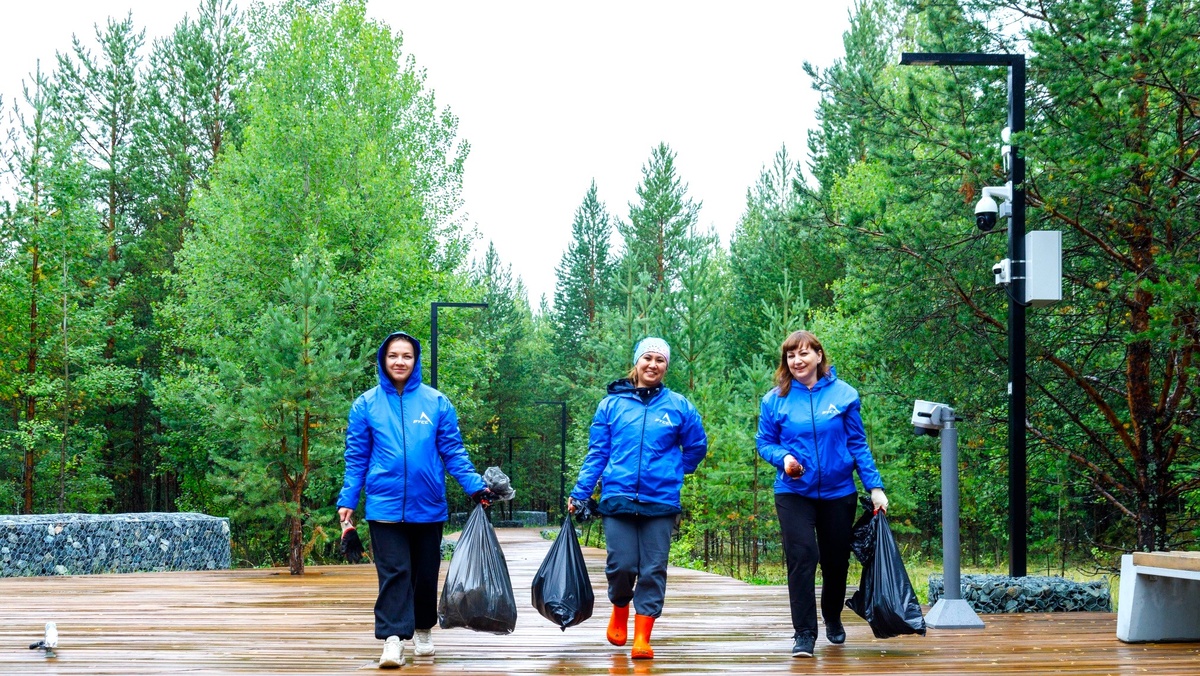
(642, 449)
(823, 430)
(399, 445)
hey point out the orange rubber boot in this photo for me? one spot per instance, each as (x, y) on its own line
(618, 625)
(642, 625)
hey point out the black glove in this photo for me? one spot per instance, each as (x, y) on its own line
(485, 497)
(584, 510)
(351, 546)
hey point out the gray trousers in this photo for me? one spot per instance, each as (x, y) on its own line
(638, 547)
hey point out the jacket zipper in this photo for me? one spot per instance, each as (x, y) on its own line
(641, 449)
(812, 417)
(404, 455)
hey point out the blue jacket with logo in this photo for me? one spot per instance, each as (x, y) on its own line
(821, 428)
(641, 450)
(399, 446)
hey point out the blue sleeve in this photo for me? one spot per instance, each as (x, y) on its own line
(358, 455)
(599, 448)
(453, 453)
(692, 439)
(856, 443)
(767, 439)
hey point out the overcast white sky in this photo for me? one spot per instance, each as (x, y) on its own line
(554, 94)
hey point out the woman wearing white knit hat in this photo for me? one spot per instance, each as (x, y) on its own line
(644, 439)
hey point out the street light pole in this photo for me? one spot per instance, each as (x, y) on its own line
(512, 472)
(433, 335)
(562, 471)
(1017, 468)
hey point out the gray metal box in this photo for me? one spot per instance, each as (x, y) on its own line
(1043, 267)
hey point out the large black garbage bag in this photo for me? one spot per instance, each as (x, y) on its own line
(862, 543)
(885, 596)
(562, 590)
(478, 592)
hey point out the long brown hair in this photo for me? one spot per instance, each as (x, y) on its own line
(795, 341)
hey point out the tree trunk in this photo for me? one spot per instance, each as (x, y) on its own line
(31, 369)
(296, 544)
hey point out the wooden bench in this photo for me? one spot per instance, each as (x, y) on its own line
(1160, 597)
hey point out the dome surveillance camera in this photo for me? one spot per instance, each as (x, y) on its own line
(985, 213)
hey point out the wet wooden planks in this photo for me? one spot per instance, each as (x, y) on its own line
(267, 622)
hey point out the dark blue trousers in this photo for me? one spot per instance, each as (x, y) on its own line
(638, 548)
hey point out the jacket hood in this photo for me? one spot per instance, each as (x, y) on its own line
(625, 386)
(414, 380)
(820, 384)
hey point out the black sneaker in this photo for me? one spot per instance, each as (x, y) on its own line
(803, 647)
(835, 632)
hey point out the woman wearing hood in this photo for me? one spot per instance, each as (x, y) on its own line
(644, 439)
(402, 439)
(810, 429)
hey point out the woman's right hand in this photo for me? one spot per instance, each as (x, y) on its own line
(792, 467)
(345, 515)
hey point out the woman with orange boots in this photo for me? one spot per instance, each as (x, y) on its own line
(644, 439)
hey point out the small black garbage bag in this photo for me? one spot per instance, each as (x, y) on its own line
(498, 482)
(885, 596)
(562, 590)
(478, 593)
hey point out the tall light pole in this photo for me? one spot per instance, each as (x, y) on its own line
(512, 472)
(433, 333)
(1017, 547)
(562, 470)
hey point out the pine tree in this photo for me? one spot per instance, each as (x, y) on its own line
(103, 97)
(583, 279)
(291, 398)
(658, 234)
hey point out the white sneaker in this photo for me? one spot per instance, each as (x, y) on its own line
(423, 642)
(393, 653)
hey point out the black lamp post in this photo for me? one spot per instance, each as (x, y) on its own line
(512, 471)
(433, 331)
(1017, 548)
(562, 470)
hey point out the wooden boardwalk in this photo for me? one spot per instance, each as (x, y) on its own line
(267, 622)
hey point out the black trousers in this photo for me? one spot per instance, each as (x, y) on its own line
(815, 531)
(407, 559)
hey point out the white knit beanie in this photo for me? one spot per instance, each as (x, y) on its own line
(656, 345)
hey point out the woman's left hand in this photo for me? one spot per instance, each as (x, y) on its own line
(879, 499)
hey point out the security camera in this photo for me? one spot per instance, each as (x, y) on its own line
(1002, 272)
(985, 213)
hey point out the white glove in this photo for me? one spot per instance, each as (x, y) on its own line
(878, 499)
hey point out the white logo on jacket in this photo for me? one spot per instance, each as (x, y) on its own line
(665, 420)
(832, 410)
(423, 420)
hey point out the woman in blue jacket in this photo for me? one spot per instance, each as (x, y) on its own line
(810, 429)
(402, 439)
(644, 438)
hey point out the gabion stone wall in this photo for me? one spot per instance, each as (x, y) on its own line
(80, 544)
(990, 594)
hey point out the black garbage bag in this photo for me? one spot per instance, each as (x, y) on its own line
(885, 596)
(562, 590)
(862, 542)
(498, 482)
(478, 593)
